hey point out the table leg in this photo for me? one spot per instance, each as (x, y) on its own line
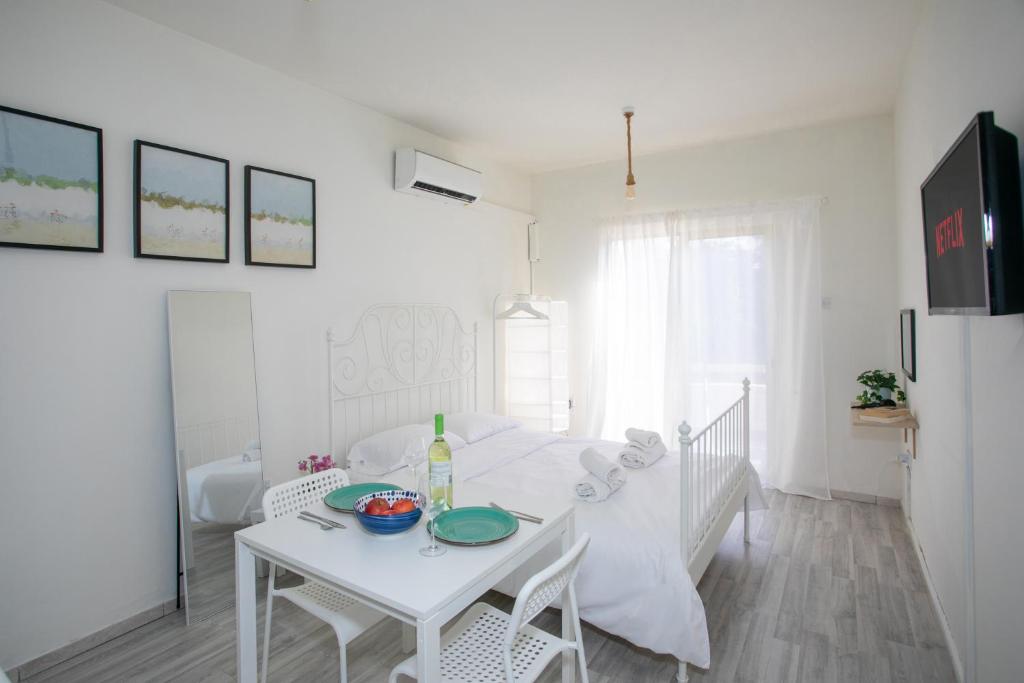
(428, 651)
(245, 611)
(568, 656)
(408, 638)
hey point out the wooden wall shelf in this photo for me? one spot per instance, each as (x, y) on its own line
(888, 418)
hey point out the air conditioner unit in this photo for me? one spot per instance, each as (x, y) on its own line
(420, 173)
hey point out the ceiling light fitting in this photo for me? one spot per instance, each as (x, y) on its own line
(630, 180)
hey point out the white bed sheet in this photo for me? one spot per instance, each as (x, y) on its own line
(633, 582)
(225, 491)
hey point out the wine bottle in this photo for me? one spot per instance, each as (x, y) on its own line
(439, 456)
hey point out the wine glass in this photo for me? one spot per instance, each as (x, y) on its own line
(412, 458)
(431, 508)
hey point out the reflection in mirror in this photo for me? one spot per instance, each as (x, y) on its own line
(217, 438)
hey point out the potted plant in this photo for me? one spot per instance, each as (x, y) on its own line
(880, 387)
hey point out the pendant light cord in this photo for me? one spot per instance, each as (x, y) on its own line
(629, 144)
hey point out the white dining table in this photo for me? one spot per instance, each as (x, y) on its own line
(389, 574)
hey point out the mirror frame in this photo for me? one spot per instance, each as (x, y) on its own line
(184, 542)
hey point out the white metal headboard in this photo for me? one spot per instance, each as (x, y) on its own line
(402, 364)
(208, 441)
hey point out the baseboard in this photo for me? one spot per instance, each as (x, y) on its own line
(866, 498)
(954, 654)
(62, 654)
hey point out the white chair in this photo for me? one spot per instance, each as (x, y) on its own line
(488, 645)
(347, 617)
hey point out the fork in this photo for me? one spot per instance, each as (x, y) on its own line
(323, 527)
(323, 520)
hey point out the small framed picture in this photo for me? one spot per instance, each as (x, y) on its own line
(51, 182)
(280, 219)
(181, 204)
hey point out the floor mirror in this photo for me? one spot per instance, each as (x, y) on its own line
(217, 440)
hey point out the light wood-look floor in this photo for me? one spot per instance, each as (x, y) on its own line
(826, 591)
(211, 579)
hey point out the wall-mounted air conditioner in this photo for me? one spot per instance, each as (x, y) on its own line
(420, 173)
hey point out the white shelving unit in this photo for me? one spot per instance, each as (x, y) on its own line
(532, 382)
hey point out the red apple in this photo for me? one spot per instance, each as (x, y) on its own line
(403, 505)
(377, 506)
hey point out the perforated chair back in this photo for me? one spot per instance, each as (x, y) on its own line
(544, 586)
(298, 494)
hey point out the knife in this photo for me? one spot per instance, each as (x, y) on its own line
(336, 525)
(519, 515)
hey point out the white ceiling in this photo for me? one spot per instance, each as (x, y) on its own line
(540, 84)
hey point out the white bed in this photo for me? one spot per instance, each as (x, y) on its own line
(221, 463)
(405, 362)
(225, 491)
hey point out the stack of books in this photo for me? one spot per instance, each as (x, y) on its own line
(883, 415)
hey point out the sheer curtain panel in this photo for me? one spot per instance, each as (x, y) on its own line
(689, 303)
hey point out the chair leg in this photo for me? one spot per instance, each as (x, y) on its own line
(583, 663)
(681, 676)
(579, 633)
(266, 626)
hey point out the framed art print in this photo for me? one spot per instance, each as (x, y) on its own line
(280, 219)
(51, 182)
(181, 204)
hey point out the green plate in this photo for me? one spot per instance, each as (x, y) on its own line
(474, 526)
(342, 499)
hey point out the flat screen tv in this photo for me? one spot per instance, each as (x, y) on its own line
(973, 233)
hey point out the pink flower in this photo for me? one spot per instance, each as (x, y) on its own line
(303, 466)
(328, 461)
(314, 457)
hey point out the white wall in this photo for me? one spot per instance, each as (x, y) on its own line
(87, 487)
(966, 57)
(849, 162)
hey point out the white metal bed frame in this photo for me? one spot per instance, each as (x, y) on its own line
(721, 453)
(402, 364)
(406, 362)
(206, 442)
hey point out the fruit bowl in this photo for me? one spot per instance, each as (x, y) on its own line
(392, 522)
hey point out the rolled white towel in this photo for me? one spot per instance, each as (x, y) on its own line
(643, 438)
(253, 451)
(634, 457)
(602, 468)
(593, 490)
(603, 477)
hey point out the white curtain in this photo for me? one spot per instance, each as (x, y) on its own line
(689, 303)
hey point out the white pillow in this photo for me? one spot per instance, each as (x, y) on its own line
(475, 426)
(384, 452)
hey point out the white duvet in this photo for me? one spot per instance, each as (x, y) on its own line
(225, 491)
(633, 582)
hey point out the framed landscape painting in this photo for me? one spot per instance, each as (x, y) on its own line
(280, 219)
(51, 182)
(181, 204)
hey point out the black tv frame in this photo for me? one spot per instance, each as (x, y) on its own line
(1000, 191)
